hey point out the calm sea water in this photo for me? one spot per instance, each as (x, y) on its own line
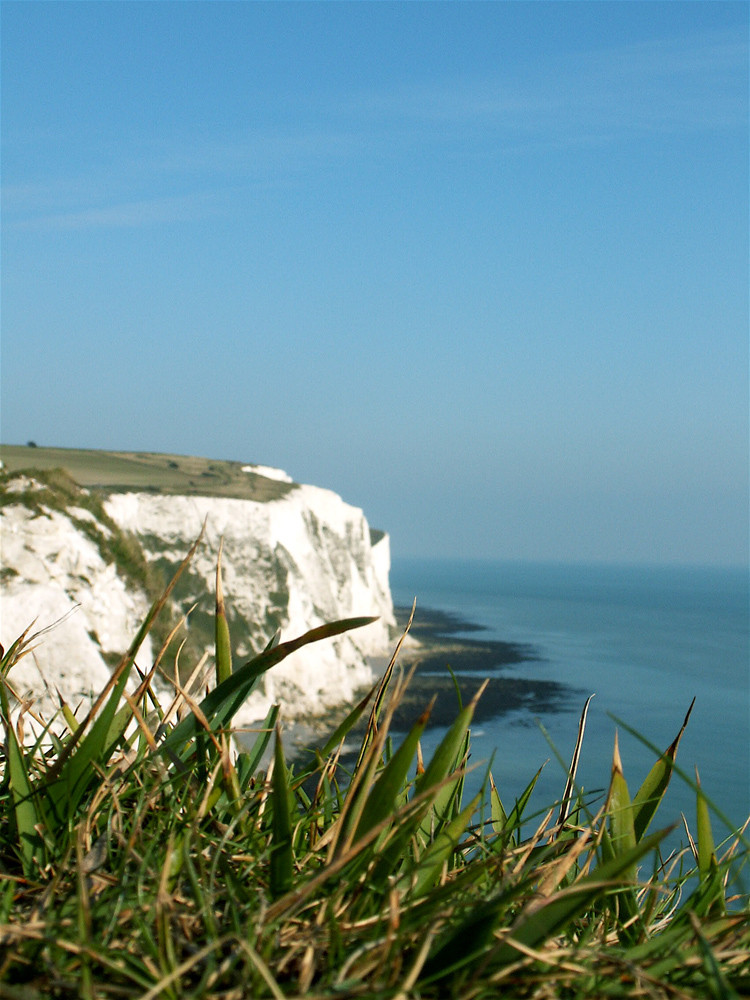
(645, 641)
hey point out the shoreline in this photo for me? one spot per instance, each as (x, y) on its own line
(444, 647)
(439, 645)
(436, 634)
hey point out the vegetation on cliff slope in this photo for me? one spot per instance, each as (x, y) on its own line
(151, 472)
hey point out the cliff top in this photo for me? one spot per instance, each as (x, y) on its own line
(119, 471)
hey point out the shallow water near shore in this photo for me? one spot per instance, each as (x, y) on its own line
(645, 641)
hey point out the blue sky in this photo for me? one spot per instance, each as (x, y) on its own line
(480, 268)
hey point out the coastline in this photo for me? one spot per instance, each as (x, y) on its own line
(442, 646)
(437, 643)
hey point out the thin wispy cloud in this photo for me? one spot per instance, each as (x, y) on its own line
(208, 172)
(124, 214)
(679, 84)
(589, 98)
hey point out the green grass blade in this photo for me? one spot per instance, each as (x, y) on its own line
(281, 844)
(221, 704)
(223, 646)
(511, 826)
(648, 797)
(438, 852)
(497, 811)
(381, 801)
(70, 720)
(622, 837)
(710, 894)
(343, 730)
(66, 791)
(25, 806)
(446, 759)
(620, 809)
(706, 846)
(446, 755)
(262, 740)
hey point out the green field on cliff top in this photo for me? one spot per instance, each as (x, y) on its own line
(150, 472)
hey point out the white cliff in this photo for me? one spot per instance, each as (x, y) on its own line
(292, 563)
(55, 580)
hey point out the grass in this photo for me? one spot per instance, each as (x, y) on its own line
(140, 856)
(112, 471)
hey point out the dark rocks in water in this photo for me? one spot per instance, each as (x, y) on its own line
(445, 648)
(443, 643)
(501, 696)
(447, 659)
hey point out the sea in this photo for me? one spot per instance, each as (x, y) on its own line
(645, 641)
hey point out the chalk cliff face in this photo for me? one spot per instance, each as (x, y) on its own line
(292, 563)
(53, 571)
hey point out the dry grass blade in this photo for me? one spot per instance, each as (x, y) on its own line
(567, 796)
(120, 673)
(538, 923)
(364, 776)
(382, 798)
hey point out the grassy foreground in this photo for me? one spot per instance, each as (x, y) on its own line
(141, 857)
